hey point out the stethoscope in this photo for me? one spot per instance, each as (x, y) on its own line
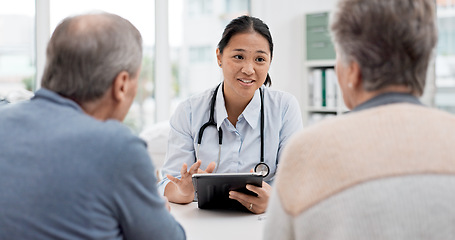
(262, 168)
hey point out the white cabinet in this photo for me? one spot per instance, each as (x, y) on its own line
(322, 95)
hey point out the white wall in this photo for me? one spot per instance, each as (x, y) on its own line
(285, 20)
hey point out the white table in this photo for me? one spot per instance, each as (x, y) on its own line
(200, 224)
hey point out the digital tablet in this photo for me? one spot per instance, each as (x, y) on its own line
(212, 189)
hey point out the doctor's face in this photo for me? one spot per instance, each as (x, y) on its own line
(245, 62)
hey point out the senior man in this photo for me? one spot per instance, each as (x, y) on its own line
(69, 169)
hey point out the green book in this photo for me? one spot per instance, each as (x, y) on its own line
(324, 97)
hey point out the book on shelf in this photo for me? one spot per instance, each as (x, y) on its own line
(316, 88)
(331, 87)
(323, 88)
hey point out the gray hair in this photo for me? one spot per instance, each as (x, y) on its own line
(87, 52)
(391, 40)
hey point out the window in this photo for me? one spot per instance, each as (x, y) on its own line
(200, 7)
(235, 6)
(201, 31)
(201, 54)
(17, 49)
(445, 59)
(141, 13)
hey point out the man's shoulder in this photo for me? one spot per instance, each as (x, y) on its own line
(111, 132)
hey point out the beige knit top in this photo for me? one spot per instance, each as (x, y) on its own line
(357, 147)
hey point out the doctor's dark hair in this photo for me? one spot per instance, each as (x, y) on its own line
(246, 24)
(87, 52)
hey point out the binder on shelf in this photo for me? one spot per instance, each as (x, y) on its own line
(316, 75)
(331, 88)
(310, 89)
(323, 90)
(318, 42)
(323, 95)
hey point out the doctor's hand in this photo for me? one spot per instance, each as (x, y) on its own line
(209, 168)
(182, 190)
(256, 204)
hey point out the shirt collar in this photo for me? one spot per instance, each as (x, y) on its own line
(51, 96)
(220, 108)
(253, 110)
(250, 113)
(388, 98)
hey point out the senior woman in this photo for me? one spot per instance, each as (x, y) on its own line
(387, 169)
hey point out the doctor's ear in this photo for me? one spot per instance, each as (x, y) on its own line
(218, 56)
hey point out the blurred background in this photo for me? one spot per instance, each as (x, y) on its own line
(180, 40)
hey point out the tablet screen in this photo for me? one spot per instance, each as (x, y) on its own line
(212, 189)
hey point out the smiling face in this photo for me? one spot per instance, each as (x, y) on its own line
(245, 62)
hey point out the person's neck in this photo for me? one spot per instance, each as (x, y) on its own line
(99, 109)
(234, 107)
(364, 96)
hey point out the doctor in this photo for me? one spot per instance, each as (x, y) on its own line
(237, 126)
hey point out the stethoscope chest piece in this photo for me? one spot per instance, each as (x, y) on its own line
(262, 168)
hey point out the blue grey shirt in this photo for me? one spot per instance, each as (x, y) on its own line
(66, 175)
(387, 98)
